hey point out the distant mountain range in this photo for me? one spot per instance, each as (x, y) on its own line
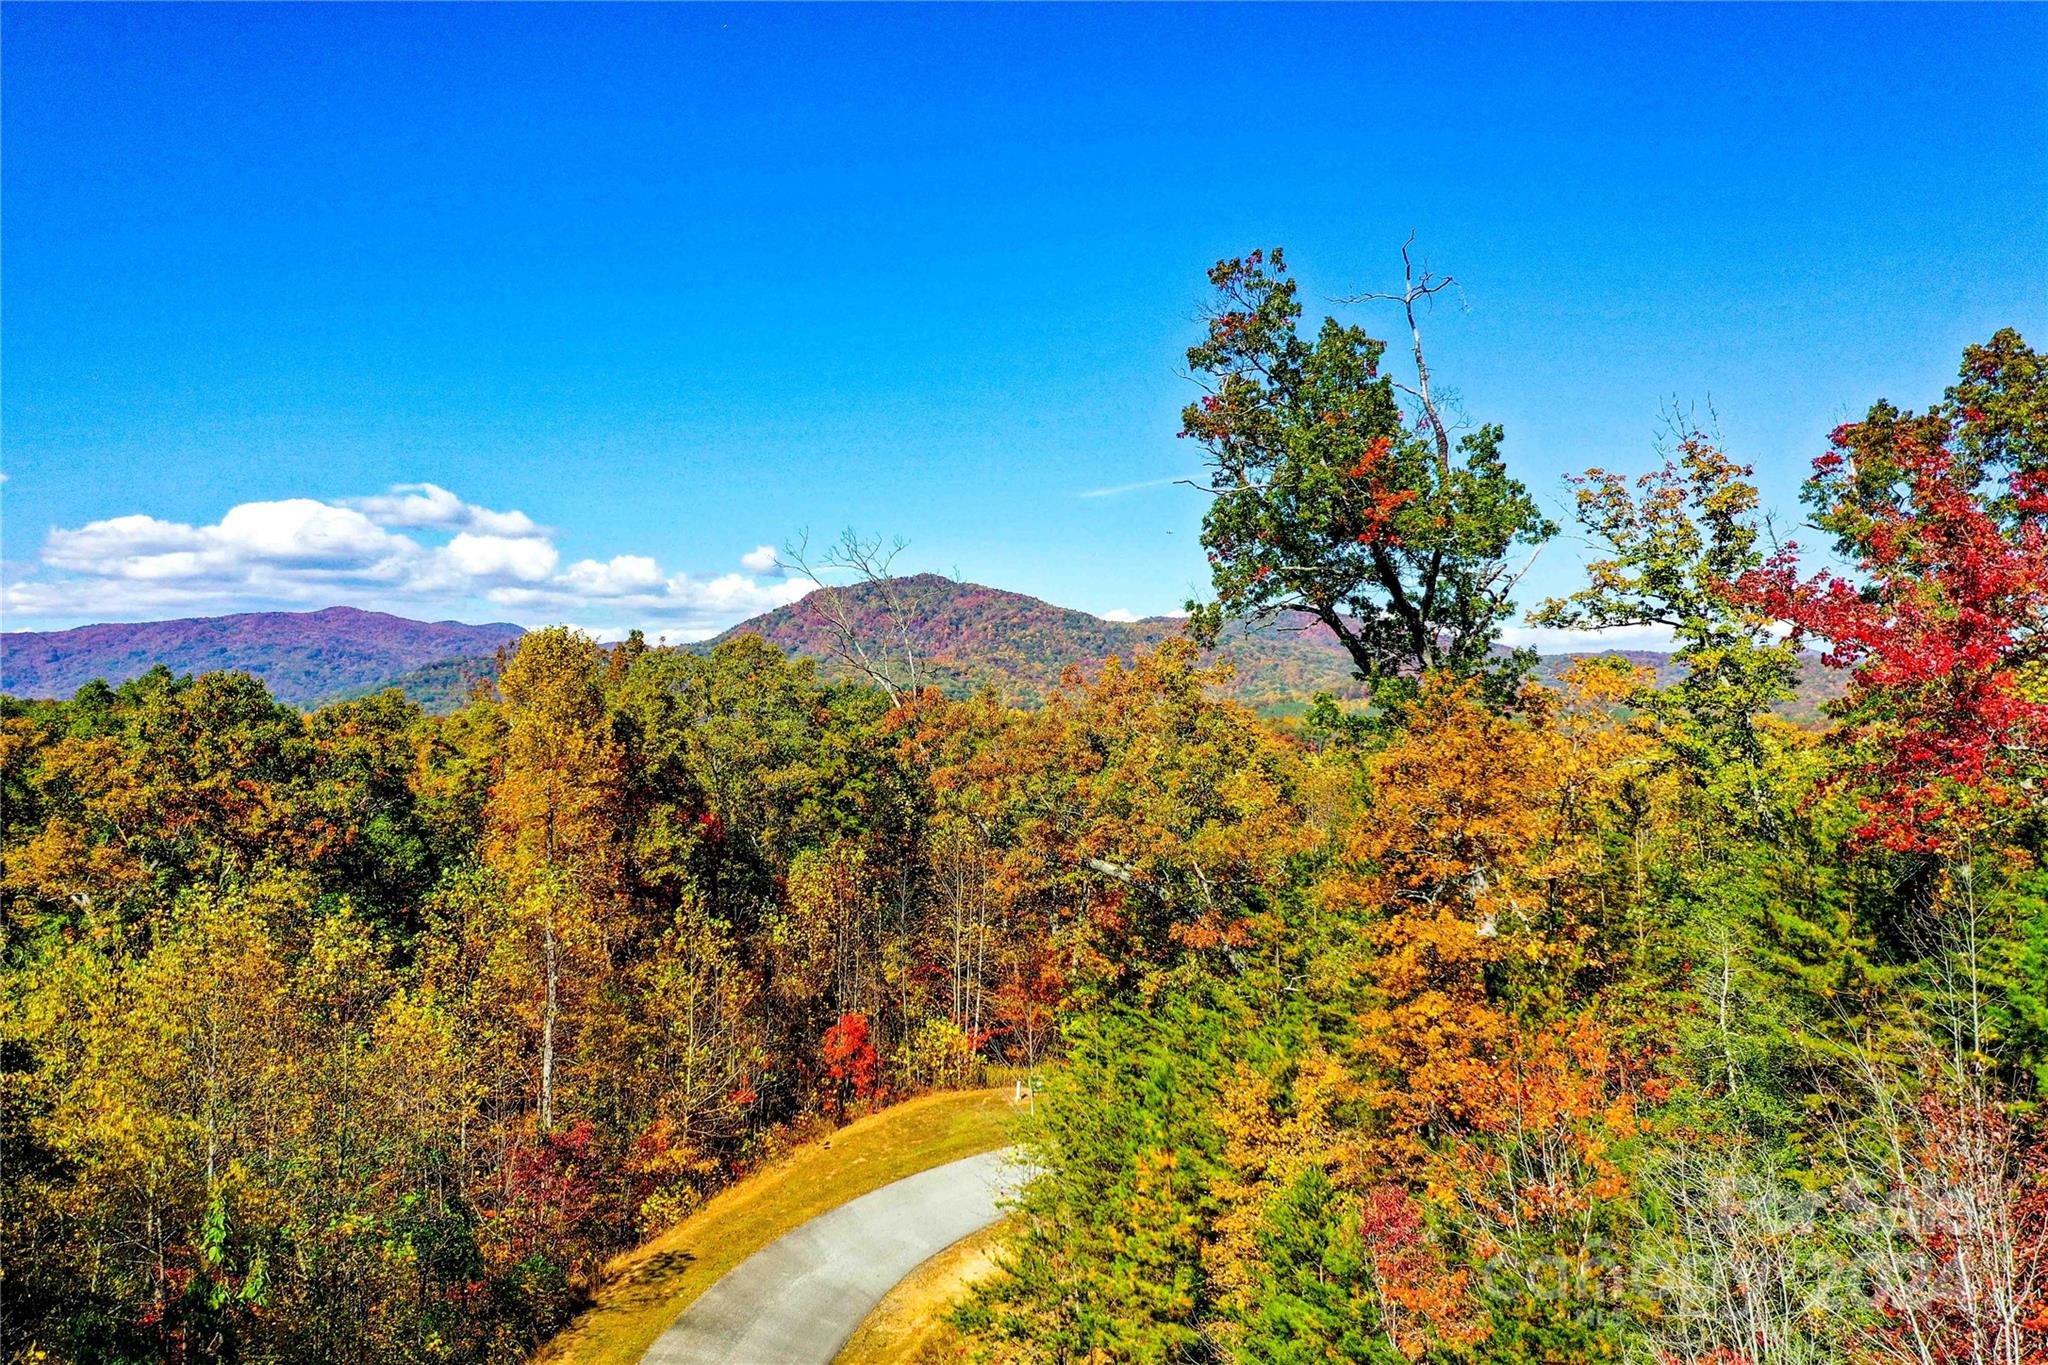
(966, 636)
(304, 656)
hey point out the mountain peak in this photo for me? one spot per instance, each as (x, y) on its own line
(968, 635)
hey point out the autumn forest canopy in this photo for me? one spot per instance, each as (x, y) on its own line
(1483, 1022)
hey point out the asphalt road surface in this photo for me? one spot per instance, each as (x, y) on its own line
(797, 1300)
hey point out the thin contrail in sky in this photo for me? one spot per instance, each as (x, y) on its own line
(1125, 488)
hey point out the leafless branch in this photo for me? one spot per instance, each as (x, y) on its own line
(1417, 288)
(890, 663)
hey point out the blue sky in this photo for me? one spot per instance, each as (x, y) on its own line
(639, 290)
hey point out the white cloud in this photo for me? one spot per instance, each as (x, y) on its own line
(429, 506)
(381, 552)
(761, 559)
(737, 591)
(254, 540)
(116, 538)
(177, 564)
(604, 635)
(669, 635)
(302, 531)
(526, 558)
(622, 575)
(1551, 640)
(1124, 614)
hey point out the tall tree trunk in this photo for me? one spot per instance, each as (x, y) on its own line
(547, 1029)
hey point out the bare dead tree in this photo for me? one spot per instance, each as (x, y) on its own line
(1744, 1263)
(885, 652)
(1418, 288)
(1958, 1251)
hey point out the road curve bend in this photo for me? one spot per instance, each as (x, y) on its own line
(798, 1299)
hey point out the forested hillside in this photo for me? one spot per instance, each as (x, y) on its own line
(367, 1035)
(303, 656)
(1496, 1022)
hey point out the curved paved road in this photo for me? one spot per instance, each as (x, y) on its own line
(797, 1300)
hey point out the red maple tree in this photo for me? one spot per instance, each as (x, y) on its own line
(850, 1062)
(1944, 622)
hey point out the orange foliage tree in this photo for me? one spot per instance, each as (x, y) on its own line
(1475, 879)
